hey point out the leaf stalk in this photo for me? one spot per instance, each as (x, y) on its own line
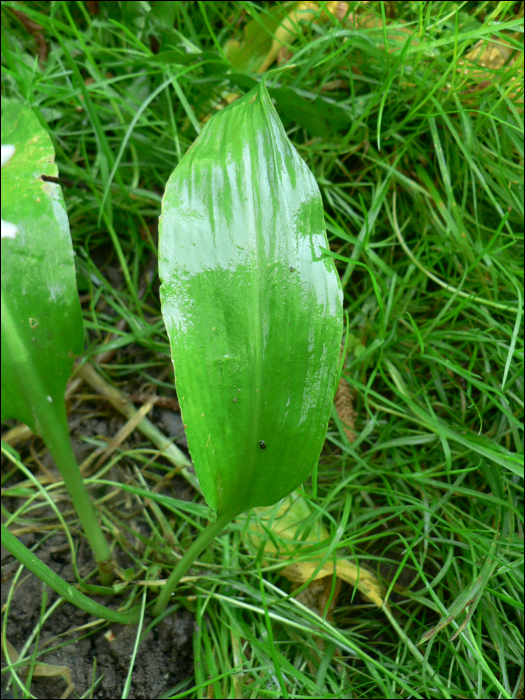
(56, 435)
(64, 589)
(207, 535)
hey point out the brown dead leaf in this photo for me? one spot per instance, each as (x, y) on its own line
(93, 8)
(36, 31)
(485, 58)
(493, 54)
(344, 405)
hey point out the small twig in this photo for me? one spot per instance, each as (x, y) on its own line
(104, 452)
(160, 401)
(119, 401)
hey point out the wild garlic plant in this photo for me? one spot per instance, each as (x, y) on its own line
(253, 310)
(252, 305)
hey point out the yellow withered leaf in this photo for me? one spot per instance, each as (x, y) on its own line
(289, 528)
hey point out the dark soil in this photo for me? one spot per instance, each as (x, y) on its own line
(99, 655)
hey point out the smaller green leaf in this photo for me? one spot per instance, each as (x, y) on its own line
(42, 325)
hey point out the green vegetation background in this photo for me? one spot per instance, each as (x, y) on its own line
(410, 116)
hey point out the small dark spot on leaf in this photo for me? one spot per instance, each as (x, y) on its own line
(262, 445)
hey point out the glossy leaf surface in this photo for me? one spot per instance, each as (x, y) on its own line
(41, 317)
(252, 308)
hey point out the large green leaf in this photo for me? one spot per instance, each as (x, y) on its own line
(41, 317)
(252, 308)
